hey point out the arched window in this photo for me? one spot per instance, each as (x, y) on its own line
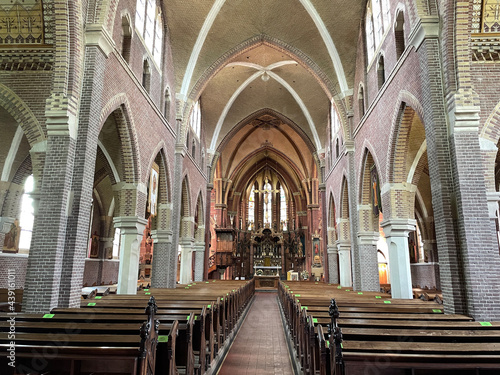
(361, 101)
(116, 243)
(377, 22)
(399, 35)
(370, 39)
(126, 37)
(381, 72)
(251, 209)
(195, 119)
(283, 209)
(335, 121)
(158, 47)
(27, 215)
(149, 25)
(149, 28)
(268, 200)
(166, 108)
(146, 75)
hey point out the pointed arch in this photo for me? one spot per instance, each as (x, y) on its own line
(119, 106)
(23, 115)
(397, 133)
(369, 194)
(185, 216)
(199, 219)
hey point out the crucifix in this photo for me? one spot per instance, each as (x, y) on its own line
(267, 191)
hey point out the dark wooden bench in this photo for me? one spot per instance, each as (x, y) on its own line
(398, 341)
(76, 351)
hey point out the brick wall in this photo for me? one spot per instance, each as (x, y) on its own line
(16, 262)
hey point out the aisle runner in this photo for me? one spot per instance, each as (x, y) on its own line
(260, 347)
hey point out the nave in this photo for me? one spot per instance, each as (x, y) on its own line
(230, 327)
(260, 346)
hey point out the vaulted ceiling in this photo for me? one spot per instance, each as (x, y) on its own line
(279, 61)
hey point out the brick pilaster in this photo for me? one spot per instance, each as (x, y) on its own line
(476, 232)
(77, 235)
(43, 276)
(161, 258)
(440, 170)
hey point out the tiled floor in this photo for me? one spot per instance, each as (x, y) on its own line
(259, 347)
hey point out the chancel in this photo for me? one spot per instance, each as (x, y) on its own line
(315, 184)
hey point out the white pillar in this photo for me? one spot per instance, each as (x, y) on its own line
(333, 274)
(199, 262)
(186, 274)
(396, 233)
(131, 232)
(345, 264)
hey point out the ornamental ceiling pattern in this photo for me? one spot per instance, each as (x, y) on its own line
(21, 22)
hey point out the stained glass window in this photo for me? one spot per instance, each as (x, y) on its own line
(149, 25)
(378, 19)
(195, 118)
(268, 199)
(251, 209)
(27, 215)
(283, 209)
(158, 38)
(335, 121)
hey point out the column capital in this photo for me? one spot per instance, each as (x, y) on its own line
(426, 27)
(368, 238)
(464, 118)
(398, 227)
(199, 246)
(96, 35)
(130, 224)
(161, 236)
(186, 241)
(332, 249)
(343, 245)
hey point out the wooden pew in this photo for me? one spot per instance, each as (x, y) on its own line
(409, 341)
(77, 351)
(10, 300)
(193, 326)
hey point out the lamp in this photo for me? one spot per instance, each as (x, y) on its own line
(265, 76)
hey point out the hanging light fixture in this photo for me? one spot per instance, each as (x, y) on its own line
(265, 76)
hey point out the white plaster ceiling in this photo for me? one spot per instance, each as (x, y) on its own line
(221, 49)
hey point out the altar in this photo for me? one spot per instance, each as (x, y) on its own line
(266, 282)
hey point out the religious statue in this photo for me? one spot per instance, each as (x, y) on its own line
(94, 246)
(11, 241)
(317, 269)
(316, 261)
(300, 253)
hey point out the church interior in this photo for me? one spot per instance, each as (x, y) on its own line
(168, 150)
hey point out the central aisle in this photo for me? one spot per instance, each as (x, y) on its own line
(260, 346)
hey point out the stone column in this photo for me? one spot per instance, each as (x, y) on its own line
(345, 265)
(186, 272)
(396, 233)
(162, 254)
(333, 264)
(131, 232)
(252, 271)
(43, 276)
(199, 261)
(367, 244)
(353, 216)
